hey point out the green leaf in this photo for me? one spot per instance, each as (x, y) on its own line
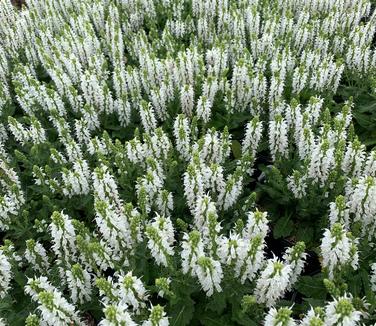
(20, 278)
(305, 233)
(217, 302)
(236, 149)
(212, 319)
(181, 312)
(355, 284)
(311, 287)
(314, 302)
(283, 227)
(241, 317)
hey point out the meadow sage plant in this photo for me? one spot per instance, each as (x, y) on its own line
(187, 162)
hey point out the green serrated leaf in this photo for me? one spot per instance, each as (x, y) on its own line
(311, 287)
(283, 227)
(217, 302)
(181, 312)
(305, 233)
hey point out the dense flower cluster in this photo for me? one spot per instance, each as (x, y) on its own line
(152, 153)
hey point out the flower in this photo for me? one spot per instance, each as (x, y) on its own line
(314, 317)
(55, 310)
(157, 317)
(257, 224)
(79, 284)
(250, 258)
(295, 257)
(273, 282)
(297, 183)
(76, 180)
(132, 292)
(163, 285)
(204, 108)
(53, 307)
(373, 277)
(278, 140)
(280, 317)
(182, 135)
(116, 315)
(361, 202)
(209, 273)
(192, 249)
(339, 213)
(253, 134)
(36, 255)
(63, 235)
(160, 233)
(342, 312)
(187, 99)
(5, 273)
(338, 249)
(148, 118)
(231, 249)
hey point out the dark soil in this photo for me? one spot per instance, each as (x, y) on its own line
(18, 3)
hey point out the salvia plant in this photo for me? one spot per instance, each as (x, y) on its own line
(187, 162)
